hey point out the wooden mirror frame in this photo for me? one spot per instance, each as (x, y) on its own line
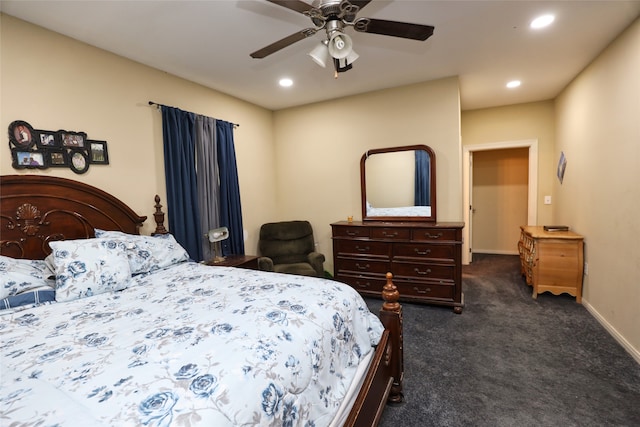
(432, 184)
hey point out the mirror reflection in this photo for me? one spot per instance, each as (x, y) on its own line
(397, 183)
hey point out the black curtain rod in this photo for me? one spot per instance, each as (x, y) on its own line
(235, 125)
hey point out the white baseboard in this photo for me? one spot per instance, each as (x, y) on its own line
(634, 352)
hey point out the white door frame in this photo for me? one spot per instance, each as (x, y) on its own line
(467, 174)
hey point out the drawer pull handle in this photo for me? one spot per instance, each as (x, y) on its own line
(362, 285)
(351, 233)
(422, 290)
(362, 267)
(425, 252)
(423, 273)
(394, 234)
(360, 249)
(433, 236)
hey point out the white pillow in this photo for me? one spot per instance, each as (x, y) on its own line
(148, 253)
(22, 275)
(88, 267)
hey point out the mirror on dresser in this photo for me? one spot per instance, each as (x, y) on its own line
(398, 233)
(398, 184)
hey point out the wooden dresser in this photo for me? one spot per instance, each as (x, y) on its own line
(425, 259)
(552, 260)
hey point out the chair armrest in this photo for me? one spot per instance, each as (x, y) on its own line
(265, 263)
(316, 259)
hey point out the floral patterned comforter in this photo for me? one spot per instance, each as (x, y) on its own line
(187, 346)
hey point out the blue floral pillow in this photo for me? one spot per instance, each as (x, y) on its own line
(88, 267)
(148, 253)
(22, 275)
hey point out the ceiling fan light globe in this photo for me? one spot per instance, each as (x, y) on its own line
(340, 45)
(320, 55)
(351, 58)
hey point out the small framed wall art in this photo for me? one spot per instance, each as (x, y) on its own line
(78, 161)
(57, 158)
(21, 135)
(98, 154)
(23, 159)
(72, 139)
(46, 139)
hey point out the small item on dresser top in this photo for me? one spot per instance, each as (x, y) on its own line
(556, 228)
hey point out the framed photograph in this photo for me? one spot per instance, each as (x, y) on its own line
(98, 154)
(562, 166)
(21, 134)
(78, 161)
(46, 139)
(25, 159)
(72, 139)
(57, 158)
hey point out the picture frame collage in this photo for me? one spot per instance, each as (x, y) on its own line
(41, 149)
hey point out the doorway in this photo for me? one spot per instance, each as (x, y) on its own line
(468, 174)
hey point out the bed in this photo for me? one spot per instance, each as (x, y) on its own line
(136, 334)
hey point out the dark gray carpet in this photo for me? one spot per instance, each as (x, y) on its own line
(510, 360)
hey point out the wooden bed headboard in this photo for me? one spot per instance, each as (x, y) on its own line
(38, 209)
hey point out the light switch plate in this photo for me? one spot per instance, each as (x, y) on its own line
(547, 200)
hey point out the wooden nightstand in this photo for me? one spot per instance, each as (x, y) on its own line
(242, 261)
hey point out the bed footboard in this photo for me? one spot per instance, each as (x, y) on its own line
(383, 382)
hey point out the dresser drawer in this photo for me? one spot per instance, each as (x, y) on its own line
(435, 234)
(367, 285)
(350, 231)
(558, 253)
(361, 248)
(424, 271)
(410, 289)
(392, 233)
(424, 258)
(361, 266)
(424, 251)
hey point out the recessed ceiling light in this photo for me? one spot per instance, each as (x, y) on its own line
(513, 84)
(286, 82)
(542, 21)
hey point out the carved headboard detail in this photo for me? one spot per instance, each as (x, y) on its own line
(38, 209)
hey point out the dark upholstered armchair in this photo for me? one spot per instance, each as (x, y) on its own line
(289, 247)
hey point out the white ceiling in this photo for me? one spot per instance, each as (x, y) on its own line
(485, 43)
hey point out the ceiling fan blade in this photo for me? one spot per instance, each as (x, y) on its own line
(281, 44)
(360, 3)
(394, 28)
(295, 5)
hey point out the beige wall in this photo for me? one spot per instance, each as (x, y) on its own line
(598, 129)
(54, 82)
(515, 123)
(319, 147)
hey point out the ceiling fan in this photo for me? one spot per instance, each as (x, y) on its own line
(334, 16)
